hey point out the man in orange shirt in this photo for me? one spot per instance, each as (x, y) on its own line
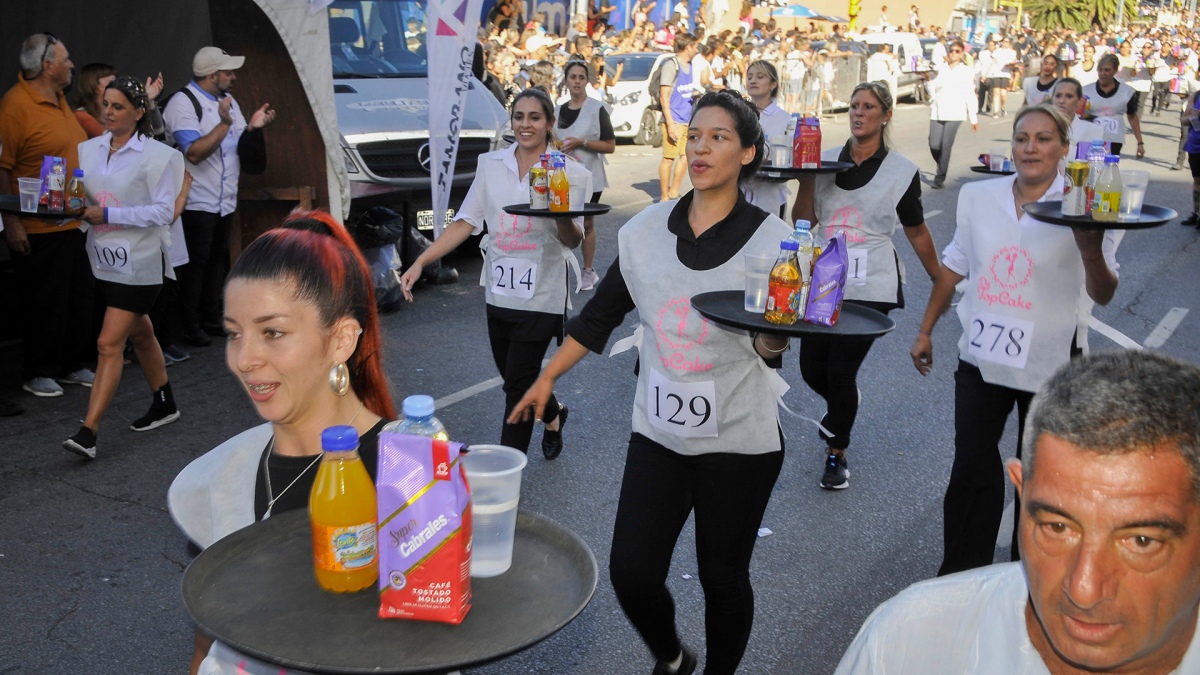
(53, 277)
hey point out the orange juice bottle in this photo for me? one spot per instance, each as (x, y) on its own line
(785, 286)
(560, 188)
(342, 510)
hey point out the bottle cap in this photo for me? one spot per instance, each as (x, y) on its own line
(1112, 159)
(803, 224)
(789, 245)
(339, 439)
(418, 405)
(78, 173)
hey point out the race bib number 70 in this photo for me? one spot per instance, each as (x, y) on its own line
(687, 409)
(1000, 339)
(1110, 125)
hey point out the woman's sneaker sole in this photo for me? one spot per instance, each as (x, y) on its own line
(147, 426)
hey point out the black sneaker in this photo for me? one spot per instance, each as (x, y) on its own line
(552, 443)
(162, 411)
(9, 407)
(837, 474)
(176, 353)
(1193, 219)
(196, 337)
(83, 443)
(686, 667)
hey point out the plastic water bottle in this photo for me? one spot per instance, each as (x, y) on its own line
(56, 183)
(803, 237)
(1095, 160)
(1108, 191)
(419, 420)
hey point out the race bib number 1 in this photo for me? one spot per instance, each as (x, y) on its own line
(857, 274)
(687, 409)
(112, 255)
(1000, 339)
(514, 277)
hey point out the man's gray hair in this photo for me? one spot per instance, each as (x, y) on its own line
(31, 53)
(1119, 402)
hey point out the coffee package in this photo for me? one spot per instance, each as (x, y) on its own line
(424, 529)
(828, 284)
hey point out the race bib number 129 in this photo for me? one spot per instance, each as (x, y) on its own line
(687, 409)
(1000, 339)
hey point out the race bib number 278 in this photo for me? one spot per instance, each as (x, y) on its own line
(1000, 339)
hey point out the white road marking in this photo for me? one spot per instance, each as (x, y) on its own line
(464, 394)
(933, 214)
(1165, 328)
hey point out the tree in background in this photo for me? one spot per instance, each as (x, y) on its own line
(1077, 15)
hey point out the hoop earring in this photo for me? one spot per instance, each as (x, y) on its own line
(339, 379)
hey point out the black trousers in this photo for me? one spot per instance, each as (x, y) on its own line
(729, 494)
(941, 140)
(830, 368)
(519, 363)
(56, 290)
(203, 278)
(974, 501)
(165, 314)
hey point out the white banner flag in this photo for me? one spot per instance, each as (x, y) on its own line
(453, 25)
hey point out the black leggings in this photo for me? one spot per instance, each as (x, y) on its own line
(519, 363)
(830, 368)
(729, 494)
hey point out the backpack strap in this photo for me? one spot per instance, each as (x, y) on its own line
(195, 103)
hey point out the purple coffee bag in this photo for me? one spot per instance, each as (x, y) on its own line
(828, 283)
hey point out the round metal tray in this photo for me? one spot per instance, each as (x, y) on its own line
(988, 170)
(10, 205)
(254, 590)
(729, 308)
(589, 209)
(1051, 212)
(781, 173)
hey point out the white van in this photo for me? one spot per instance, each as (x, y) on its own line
(381, 89)
(905, 47)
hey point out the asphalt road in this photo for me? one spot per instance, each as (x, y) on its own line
(91, 563)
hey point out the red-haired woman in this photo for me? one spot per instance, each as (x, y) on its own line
(304, 341)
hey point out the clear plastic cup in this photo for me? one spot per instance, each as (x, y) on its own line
(494, 472)
(758, 275)
(31, 189)
(576, 198)
(1133, 193)
(996, 157)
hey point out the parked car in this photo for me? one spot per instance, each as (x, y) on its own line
(631, 117)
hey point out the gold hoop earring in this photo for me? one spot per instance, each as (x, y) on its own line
(339, 379)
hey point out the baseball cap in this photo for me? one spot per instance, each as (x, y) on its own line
(211, 59)
(536, 42)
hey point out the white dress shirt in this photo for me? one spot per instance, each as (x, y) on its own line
(953, 89)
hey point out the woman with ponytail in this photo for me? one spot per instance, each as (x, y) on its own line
(304, 341)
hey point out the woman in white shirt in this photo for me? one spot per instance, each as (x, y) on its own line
(526, 262)
(1037, 87)
(1066, 96)
(1085, 70)
(1109, 99)
(952, 92)
(1022, 318)
(131, 181)
(762, 85)
(999, 76)
(587, 135)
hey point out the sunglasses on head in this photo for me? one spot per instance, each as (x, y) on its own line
(50, 41)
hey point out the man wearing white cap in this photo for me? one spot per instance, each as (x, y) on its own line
(207, 126)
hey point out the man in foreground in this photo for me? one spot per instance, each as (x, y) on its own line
(1109, 580)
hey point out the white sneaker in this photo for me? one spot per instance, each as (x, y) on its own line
(44, 387)
(588, 279)
(83, 376)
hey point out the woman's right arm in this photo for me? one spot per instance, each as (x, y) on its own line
(565, 358)
(452, 237)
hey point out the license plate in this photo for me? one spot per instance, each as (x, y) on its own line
(425, 219)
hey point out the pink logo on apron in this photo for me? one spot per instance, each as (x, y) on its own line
(1011, 269)
(511, 235)
(848, 221)
(676, 324)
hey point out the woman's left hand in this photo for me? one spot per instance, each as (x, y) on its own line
(570, 143)
(94, 215)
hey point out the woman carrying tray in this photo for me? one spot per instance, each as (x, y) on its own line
(866, 204)
(1024, 312)
(304, 343)
(762, 85)
(1109, 100)
(587, 136)
(526, 261)
(724, 439)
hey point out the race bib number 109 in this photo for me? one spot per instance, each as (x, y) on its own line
(687, 409)
(1000, 339)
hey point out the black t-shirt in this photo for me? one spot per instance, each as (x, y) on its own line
(284, 470)
(567, 117)
(714, 247)
(1131, 108)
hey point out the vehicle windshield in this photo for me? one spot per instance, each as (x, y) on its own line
(377, 38)
(637, 67)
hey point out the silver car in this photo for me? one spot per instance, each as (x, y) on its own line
(631, 116)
